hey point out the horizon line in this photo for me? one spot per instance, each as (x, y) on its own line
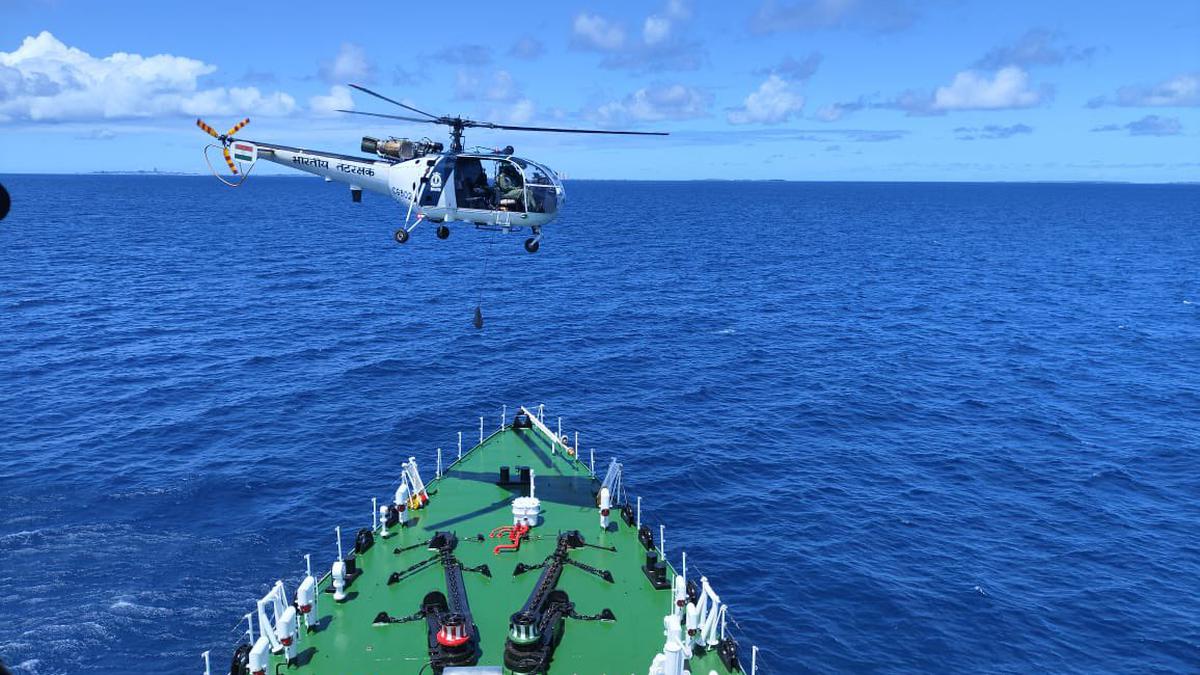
(1067, 181)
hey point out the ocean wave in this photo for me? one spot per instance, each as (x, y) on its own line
(909, 458)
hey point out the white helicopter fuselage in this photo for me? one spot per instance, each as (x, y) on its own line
(426, 186)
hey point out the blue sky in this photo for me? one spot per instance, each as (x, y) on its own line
(792, 89)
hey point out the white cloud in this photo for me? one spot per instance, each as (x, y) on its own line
(653, 104)
(461, 54)
(98, 135)
(839, 109)
(656, 29)
(805, 15)
(774, 101)
(992, 132)
(527, 48)
(339, 98)
(663, 43)
(797, 71)
(973, 90)
(1179, 91)
(521, 112)
(591, 31)
(1037, 47)
(502, 87)
(678, 9)
(476, 85)
(1150, 125)
(45, 80)
(350, 65)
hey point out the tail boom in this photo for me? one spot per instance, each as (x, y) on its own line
(362, 172)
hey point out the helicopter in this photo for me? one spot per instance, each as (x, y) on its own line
(491, 189)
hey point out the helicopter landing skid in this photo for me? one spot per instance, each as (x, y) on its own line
(531, 244)
(505, 228)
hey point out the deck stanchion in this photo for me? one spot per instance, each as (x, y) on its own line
(684, 554)
(307, 573)
(338, 529)
(374, 513)
(639, 515)
(593, 462)
(207, 665)
(559, 434)
(460, 445)
(503, 415)
(754, 660)
(541, 412)
(439, 466)
(481, 429)
(662, 541)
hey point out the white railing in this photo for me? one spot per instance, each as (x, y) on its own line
(540, 426)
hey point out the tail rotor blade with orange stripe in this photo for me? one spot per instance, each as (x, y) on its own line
(207, 129)
(238, 127)
(228, 160)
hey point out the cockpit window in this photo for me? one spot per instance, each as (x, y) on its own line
(505, 184)
(542, 187)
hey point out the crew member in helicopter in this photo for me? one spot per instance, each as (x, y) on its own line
(472, 185)
(483, 190)
(509, 188)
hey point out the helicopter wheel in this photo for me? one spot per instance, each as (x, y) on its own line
(401, 235)
(532, 244)
(443, 232)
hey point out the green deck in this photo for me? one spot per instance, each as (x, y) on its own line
(467, 501)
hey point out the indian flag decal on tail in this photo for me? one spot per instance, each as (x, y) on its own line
(245, 152)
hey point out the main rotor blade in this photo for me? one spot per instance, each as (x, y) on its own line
(391, 117)
(381, 96)
(509, 127)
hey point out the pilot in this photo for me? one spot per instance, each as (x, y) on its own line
(509, 185)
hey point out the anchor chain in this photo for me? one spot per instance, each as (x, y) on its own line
(384, 617)
(603, 574)
(411, 570)
(604, 615)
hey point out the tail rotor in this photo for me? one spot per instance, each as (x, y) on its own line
(229, 160)
(243, 151)
(207, 129)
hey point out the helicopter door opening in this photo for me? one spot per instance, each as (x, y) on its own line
(510, 186)
(471, 189)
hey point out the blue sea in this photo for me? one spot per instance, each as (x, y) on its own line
(903, 428)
